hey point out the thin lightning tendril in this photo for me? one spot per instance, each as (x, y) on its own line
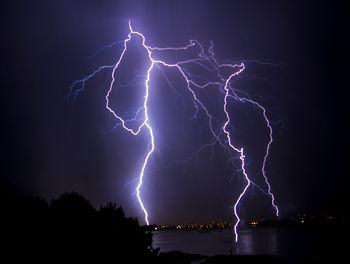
(209, 63)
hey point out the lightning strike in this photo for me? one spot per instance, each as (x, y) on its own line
(207, 62)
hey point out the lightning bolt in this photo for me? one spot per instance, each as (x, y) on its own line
(208, 62)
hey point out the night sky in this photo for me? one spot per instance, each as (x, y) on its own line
(50, 145)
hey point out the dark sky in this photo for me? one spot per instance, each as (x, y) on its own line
(49, 146)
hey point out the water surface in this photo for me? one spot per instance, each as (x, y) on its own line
(293, 243)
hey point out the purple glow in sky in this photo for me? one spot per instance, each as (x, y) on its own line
(208, 62)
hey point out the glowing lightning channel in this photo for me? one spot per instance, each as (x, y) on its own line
(241, 151)
(209, 63)
(267, 152)
(145, 107)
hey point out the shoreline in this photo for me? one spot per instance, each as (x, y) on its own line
(181, 257)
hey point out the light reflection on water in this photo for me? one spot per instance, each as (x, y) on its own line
(290, 242)
(256, 241)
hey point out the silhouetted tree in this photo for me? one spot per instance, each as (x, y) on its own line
(33, 206)
(72, 205)
(123, 235)
(7, 209)
(71, 228)
(73, 224)
(5, 192)
(33, 217)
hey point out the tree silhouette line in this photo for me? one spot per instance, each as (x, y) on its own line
(69, 227)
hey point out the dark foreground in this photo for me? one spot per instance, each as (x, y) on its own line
(69, 229)
(179, 257)
(306, 241)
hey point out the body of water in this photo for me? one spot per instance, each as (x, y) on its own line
(296, 244)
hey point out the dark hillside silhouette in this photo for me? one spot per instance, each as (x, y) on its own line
(70, 228)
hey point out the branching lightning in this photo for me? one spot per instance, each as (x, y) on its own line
(208, 62)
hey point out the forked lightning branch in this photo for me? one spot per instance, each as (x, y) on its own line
(207, 60)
